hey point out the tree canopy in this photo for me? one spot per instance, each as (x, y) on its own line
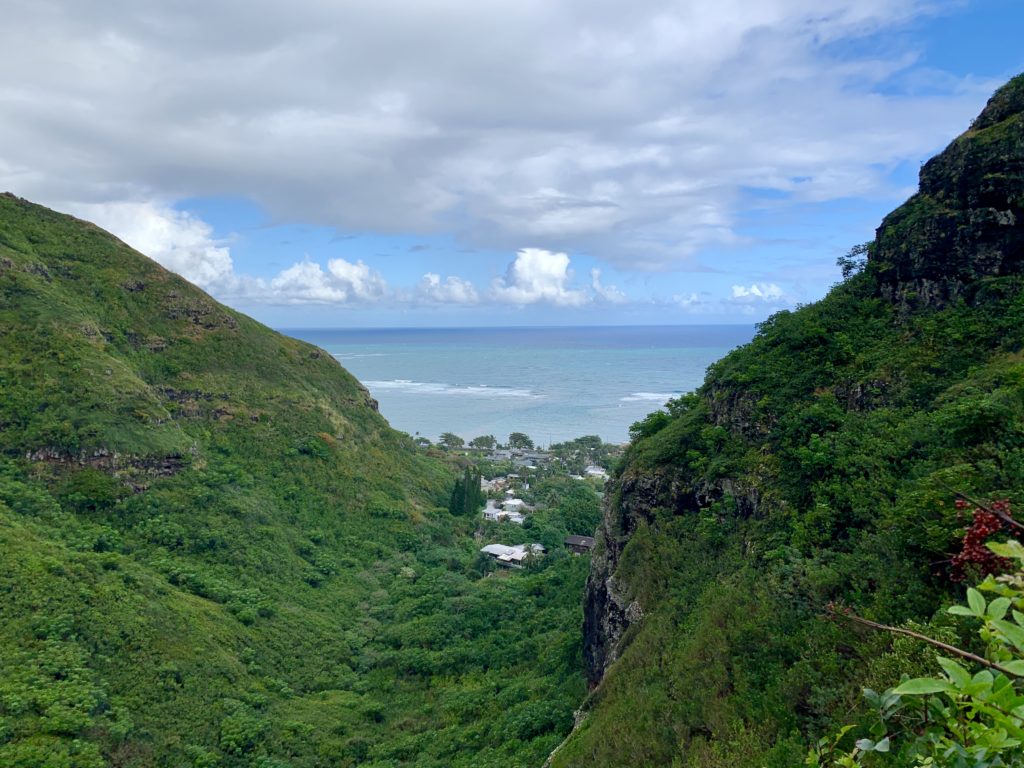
(485, 442)
(520, 441)
(450, 441)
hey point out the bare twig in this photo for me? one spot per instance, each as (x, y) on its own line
(924, 638)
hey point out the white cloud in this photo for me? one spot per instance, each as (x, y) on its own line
(185, 244)
(176, 239)
(453, 290)
(608, 293)
(537, 276)
(757, 298)
(690, 301)
(341, 283)
(629, 130)
(758, 292)
(358, 280)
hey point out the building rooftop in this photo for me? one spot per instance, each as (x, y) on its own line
(512, 555)
(580, 541)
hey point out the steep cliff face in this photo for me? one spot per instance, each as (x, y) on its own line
(965, 222)
(815, 464)
(609, 607)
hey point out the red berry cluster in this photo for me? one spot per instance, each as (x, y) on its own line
(974, 555)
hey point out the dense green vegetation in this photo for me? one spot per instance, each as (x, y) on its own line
(214, 552)
(467, 498)
(972, 712)
(576, 455)
(819, 463)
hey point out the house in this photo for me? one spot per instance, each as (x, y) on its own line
(513, 505)
(595, 471)
(491, 511)
(579, 545)
(494, 513)
(513, 557)
(541, 458)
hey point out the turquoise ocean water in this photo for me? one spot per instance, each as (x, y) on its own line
(553, 384)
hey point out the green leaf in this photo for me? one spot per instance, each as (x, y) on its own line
(976, 601)
(883, 745)
(1011, 549)
(960, 610)
(957, 673)
(1016, 667)
(1012, 632)
(922, 685)
(997, 608)
(984, 677)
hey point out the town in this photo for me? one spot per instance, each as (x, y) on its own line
(532, 503)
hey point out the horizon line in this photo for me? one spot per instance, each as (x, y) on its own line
(507, 327)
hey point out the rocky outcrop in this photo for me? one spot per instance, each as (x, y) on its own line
(609, 606)
(135, 472)
(966, 222)
(734, 409)
(605, 603)
(201, 312)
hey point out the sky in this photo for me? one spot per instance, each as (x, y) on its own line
(380, 163)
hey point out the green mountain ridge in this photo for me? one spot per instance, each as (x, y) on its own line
(215, 552)
(817, 464)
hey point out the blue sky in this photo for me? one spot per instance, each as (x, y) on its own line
(399, 163)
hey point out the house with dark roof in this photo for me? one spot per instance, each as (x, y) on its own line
(579, 545)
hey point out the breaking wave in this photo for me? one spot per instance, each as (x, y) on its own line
(660, 397)
(435, 388)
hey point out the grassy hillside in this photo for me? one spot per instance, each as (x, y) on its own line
(214, 552)
(817, 464)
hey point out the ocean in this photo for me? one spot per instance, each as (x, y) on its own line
(553, 384)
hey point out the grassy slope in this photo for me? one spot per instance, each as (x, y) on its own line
(817, 463)
(214, 552)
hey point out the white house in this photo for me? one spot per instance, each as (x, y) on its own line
(595, 471)
(513, 505)
(513, 557)
(493, 512)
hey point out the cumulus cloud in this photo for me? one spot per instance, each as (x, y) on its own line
(629, 130)
(185, 244)
(176, 239)
(607, 293)
(453, 290)
(341, 283)
(758, 293)
(538, 276)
